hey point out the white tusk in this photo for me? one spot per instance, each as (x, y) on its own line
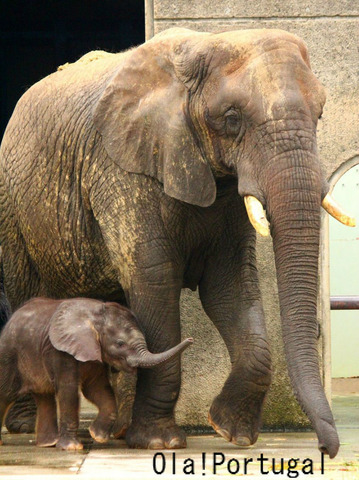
(256, 215)
(337, 212)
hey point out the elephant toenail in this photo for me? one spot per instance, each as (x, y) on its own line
(176, 443)
(121, 433)
(224, 433)
(156, 444)
(242, 441)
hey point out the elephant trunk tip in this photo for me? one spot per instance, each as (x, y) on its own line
(331, 452)
(183, 345)
(328, 440)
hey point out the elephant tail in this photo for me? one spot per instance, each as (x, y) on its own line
(5, 310)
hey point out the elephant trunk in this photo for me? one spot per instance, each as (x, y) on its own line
(145, 359)
(293, 207)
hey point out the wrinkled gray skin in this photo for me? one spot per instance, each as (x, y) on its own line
(124, 177)
(51, 347)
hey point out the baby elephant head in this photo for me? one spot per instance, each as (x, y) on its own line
(91, 330)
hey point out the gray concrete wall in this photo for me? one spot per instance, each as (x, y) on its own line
(331, 31)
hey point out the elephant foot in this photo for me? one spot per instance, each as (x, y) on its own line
(120, 429)
(122, 422)
(21, 417)
(47, 440)
(99, 434)
(69, 444)
(159, 434)
(239, 429)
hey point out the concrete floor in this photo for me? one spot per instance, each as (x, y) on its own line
(207, 456)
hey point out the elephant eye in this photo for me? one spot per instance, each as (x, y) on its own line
(233, 122)
(120, 343)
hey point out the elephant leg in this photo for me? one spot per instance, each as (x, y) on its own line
(20, 283)
(97, 389)
(156, 304)
(5, 310)
(10, 384)
(22, 415)
(20, 279)
(47, 433)
(5, 404)
(124, 387)
(230, 295)
(67, 390)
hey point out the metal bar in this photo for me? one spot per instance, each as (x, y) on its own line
(344, 302)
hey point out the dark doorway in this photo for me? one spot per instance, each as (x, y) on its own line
(36, 36)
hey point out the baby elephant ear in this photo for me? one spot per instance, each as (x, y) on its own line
(72, 329)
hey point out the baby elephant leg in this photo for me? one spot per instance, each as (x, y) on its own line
(97, 389)
(9, 387)
(67, 384)
(5, 404)
(47, 433)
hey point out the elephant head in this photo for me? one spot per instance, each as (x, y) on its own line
(91, 330)
(188, 108)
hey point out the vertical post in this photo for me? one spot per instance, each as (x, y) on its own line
(149, 19)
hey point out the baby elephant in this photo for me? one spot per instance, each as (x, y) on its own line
(50, 347)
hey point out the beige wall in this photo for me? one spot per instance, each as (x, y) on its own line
(331, 31)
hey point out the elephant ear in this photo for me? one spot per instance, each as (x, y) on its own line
(143, 120)
(72, 329)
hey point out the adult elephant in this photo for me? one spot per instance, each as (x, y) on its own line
(119, 180)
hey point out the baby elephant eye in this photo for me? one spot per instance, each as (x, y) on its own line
(120, 343)
(233, 122)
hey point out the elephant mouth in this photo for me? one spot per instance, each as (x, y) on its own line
(258, 219)
(123, 368)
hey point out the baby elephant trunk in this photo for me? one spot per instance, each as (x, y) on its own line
(146, 359)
